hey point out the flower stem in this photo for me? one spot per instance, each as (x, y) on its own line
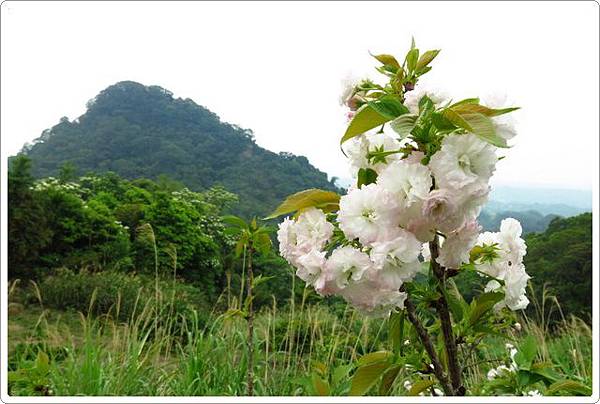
(426, 340)
(445, 320)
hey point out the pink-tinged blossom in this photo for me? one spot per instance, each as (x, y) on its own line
(297, 237)
(371, 300)
(288, 243)
(448, 209)
(509, 239)
(348, 90)
(410, 183)
(347, 265)
(421, 226)
(313, 230)
(515, 287)
(358, 150)
(442, 207)
(310, 266)
(463, 160)
(395, 260)
(508, 265)
(458, 244)
(415, 157)
(367, 211)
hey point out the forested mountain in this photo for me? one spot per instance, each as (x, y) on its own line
(143, 132)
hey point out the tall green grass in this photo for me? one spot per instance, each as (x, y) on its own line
(159, 350)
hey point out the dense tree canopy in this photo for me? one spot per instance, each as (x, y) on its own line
(143, 132)
(562, 257)
(102, 221)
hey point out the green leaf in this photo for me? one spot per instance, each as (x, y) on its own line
(478, 124)
(320, 368)
(262, 243)
(482, 305)
(420, 387)
(320, 386)
(234, 313)
(388, 106)
(441, 122)
(474, 108)
(247, 301)
(465, 101)
(403, 125)
(42, 363)
(426, 58)
(386, 59)
(326, 200)
(366, 376)
(374, 357)
(422, 71)
(396, 326)
(306, 383)
(456, 119)
(259, 280)
(387, 380)
(474, 118)
(411, 59)
(481, 328)
(366, 176)
(545, 370)
(366, 118)
(232, 231)
(458, 305)
(234, 221)
(425, 106)
(526, 352)
(239, 248)
(339, 373)
(523, 378)
(569, 386)
(16, 376)
(484, 128)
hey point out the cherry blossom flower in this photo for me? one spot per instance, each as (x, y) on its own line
(463, 160)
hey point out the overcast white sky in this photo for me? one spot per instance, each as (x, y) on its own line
(276, 68)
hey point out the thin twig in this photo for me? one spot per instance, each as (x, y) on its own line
(426, 340)
(446, 322)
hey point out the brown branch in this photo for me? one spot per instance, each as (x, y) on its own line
(426, 340)
(442, 309)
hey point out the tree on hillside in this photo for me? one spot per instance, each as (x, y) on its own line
(28, 231)
(562, 258)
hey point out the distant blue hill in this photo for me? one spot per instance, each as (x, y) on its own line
(564, 202)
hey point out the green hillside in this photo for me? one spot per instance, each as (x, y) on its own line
(143, 132)
(561, 257)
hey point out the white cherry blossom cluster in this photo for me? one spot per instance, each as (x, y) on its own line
(508, 266)
(386, 224)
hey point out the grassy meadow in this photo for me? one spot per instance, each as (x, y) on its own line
(159, 349)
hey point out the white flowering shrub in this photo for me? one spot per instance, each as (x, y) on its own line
(393, 243)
